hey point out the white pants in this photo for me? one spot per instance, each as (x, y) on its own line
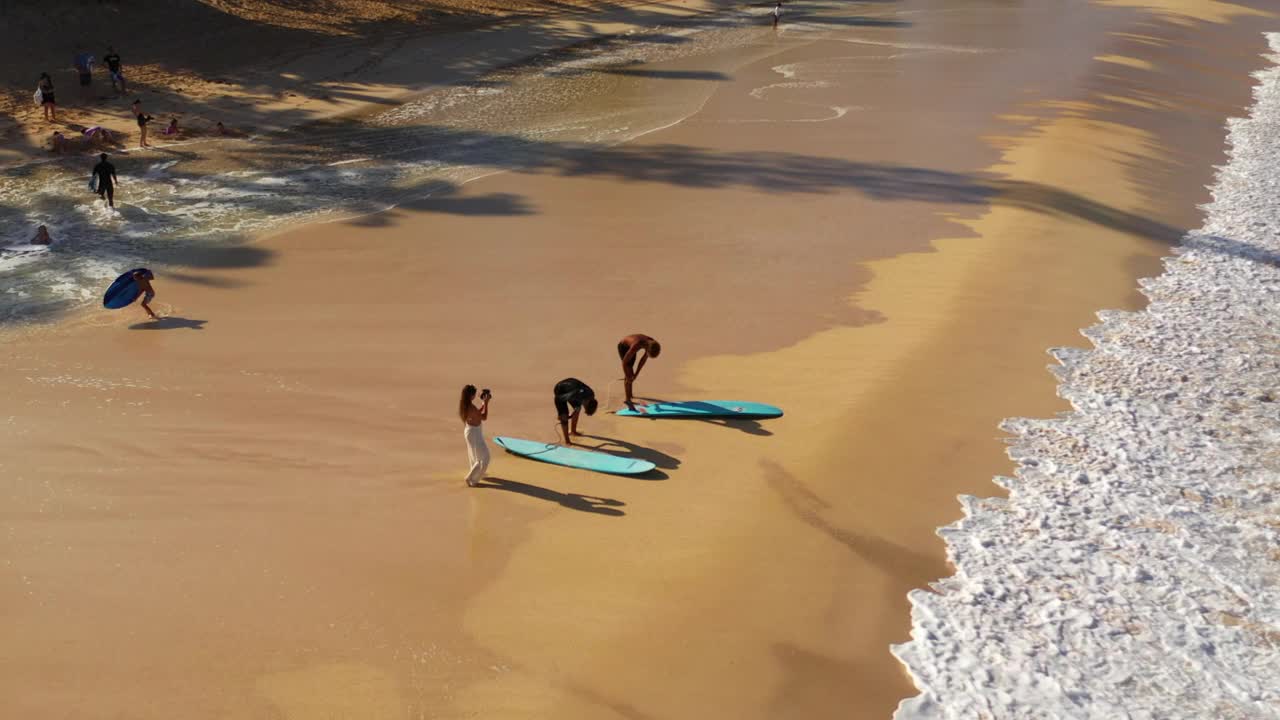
(477, 452)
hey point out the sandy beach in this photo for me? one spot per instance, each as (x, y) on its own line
(878, 218)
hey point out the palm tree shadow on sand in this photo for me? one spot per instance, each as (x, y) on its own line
(573, 501)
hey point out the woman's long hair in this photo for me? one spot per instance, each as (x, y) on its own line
(464, 404)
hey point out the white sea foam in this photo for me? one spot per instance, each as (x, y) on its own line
(1134, 571)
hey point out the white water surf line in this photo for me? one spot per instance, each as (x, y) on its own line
(1134, 570)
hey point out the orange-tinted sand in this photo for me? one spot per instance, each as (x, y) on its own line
(255, 508)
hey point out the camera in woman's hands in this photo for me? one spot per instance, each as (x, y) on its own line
(485, 394)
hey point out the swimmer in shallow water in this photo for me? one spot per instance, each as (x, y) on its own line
(42, 236)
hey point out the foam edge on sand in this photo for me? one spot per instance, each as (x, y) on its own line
(1134, 570)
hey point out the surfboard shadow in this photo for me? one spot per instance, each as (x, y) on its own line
(624, 449)
(750, 427)
(170, 322)
(573, 501)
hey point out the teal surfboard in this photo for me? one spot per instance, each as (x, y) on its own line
(705, 409)
(573, 457)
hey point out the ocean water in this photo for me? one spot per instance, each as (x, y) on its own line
(1134, 570)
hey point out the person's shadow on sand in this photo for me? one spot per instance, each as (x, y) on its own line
(171, 322)
(573, 501)
(624, 449)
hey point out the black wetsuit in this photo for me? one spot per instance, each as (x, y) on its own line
(113, 62)
(571, 391)
(106, 173)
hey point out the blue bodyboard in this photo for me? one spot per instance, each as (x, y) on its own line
(123, 291)
(573, 457)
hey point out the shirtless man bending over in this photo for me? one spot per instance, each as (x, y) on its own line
(628, 348)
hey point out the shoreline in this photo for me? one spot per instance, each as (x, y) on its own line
(778, 574)
(1163, 457)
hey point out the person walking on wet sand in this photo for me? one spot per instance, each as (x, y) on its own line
(112, 59)
(143, 279)
(473, 433)
(105, 173)
(573, 392)
(628, 348)
(777, 13)
(47, 103)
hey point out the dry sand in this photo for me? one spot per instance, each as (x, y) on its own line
(255, 509)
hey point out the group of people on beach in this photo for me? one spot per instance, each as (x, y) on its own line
(83, 63)
(570, 396)
(97, 136)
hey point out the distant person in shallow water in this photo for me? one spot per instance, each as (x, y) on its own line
(42, 236)
(143, 279)
(172, 128)
(629, 348)
(106, 174)
(572, 392)
(777, 13)
(473, 433)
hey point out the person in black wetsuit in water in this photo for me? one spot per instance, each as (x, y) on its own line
(106, 174)
(572, 392)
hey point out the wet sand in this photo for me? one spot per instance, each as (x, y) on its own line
(253, 508)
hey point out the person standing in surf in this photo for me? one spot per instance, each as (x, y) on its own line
(777, 14)
(473, 433)
(105, 173)
(143, 278)
(628, 348)
(573, 392)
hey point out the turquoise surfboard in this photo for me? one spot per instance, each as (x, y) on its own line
(573, 457)
(706, 409)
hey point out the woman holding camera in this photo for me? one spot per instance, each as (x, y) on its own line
(472, 416)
